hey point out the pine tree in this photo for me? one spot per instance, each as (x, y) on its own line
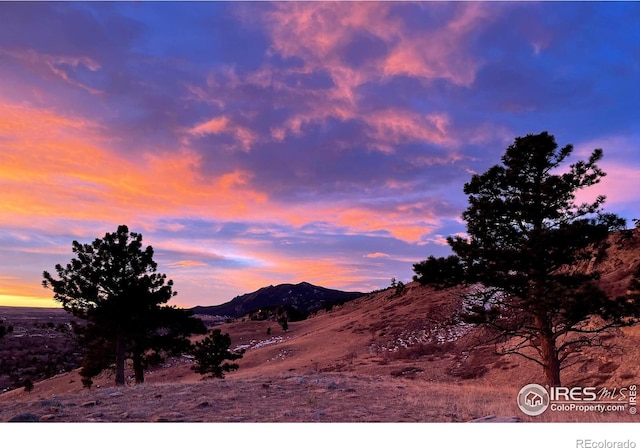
(525, 235)
(113, 284)
(210, 355)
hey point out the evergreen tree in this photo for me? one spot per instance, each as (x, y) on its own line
(525, 235)
(443, 272)
(113, 284)
(210, 355)
(28, 385)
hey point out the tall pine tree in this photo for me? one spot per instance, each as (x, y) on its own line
(525, 234)
(113, 284)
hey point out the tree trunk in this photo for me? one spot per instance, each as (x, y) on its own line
(550, 361)
(138, 368)
(120, 359)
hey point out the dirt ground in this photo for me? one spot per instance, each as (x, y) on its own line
(320, 397)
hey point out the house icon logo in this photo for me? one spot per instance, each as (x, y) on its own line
(533, 399)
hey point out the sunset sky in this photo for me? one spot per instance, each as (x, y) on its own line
(263, 143)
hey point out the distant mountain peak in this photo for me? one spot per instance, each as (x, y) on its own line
(303, 297)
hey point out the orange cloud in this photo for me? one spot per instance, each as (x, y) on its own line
(405, 224)
(54, 166)
(65, 170)
(402, 226)
(274, 268)
(59, 172)
(187, 264)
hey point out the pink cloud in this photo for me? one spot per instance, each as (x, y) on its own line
(620, 185)
(59, 65)
(622, 180)
(245, 137)
(318, 33)
(391, 127)
(377, 255)
(214, 126)
(441, 52)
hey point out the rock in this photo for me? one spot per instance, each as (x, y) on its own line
(297, 380)
(25, 418)
(88, 404)
(50, 404)
(203, 404)
(171, 417)
(47, 417)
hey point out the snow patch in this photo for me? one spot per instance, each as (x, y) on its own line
(257, 344)
(438, 334)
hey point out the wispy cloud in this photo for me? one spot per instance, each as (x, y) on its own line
(377, 255)
(66, 68)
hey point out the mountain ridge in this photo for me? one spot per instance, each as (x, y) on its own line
(303, 298)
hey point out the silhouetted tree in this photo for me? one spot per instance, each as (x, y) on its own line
(4, 330)
(525, 235)
(443, 272)
(28, 385)
(210, 355)
(114, 285)
(284, 323)
(398, 287)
